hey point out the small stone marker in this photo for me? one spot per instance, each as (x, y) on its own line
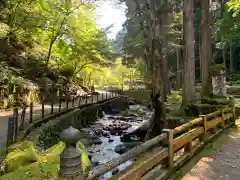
(70, 161)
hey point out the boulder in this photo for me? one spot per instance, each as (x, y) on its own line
(131, 103)
(122, 148)
(139, 132)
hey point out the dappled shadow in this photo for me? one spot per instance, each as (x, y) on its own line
(222, 160)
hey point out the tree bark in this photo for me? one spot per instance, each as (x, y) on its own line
(205, 48)
(224, 58)
(189, 91)
(231, 57)
(158, 96)
(179, 83)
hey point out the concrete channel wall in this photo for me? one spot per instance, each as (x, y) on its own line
(78, 118)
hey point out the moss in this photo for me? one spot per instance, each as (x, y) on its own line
(141, 96)
(174, 102)
(137, 112)
(217, 101)
(216, 69)
(195, 110)
(34, 171)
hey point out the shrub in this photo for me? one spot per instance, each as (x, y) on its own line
(216, 101)
(24, 162)
(195, 110)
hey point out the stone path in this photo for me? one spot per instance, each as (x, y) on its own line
(221, 164)
(4, 116)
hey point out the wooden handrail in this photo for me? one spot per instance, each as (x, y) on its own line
(154, 153)
(126, 156)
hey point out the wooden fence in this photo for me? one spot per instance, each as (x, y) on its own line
(160, 156)
(24, 116)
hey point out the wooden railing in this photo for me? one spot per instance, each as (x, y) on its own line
(23, 118)
(160, 156)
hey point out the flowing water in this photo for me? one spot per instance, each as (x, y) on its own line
(105, 151)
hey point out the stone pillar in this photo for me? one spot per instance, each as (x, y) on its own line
(219, 84)
(70, 161)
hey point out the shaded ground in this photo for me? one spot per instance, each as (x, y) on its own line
(4, 115)
(219, 160)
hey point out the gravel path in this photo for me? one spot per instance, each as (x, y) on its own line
(223, 163)
(4, 116)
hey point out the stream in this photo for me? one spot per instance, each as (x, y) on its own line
(109, 130)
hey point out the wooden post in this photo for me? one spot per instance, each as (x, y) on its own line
(15, 120)
(169, 133)
(22, 120)
(31, 113)
(42, 108)
(204, 120)
(59, 108)
(10, 132)
(52, 103)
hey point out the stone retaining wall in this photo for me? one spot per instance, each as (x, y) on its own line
(78, 118)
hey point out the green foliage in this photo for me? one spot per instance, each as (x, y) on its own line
(24, 162)
(114, 76)
(228, 27)
(4, 30)
(174, 102)
(217, 101)
(233, 77)
(137, 112)
(233, 5)
(50, 43)
(86, 163)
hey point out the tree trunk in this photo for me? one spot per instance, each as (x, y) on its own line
(189, 91)
(49, 53)
(231, 57)
(158, 120)
(179, 83)
(205, 48)
(224, 58)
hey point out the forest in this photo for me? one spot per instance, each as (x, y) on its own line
(171, 50)
(50, 48)
(53, 48)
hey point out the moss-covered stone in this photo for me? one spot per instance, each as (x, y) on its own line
(217, 69)
(195, 110)
(217, 101)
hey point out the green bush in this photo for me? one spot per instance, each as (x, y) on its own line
(233, 77)
(24, 162)
(174, 102)
(216, 101)
(195, 110)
